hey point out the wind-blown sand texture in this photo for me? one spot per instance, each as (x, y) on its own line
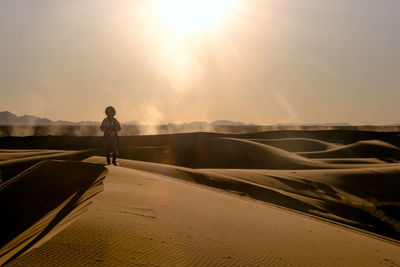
(272, 198)
(143, 218)
(43, 200)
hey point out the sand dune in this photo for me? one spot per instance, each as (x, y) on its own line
(393, 139)
(11, 154)
(297, 144)
(223, 152)
(40, 200)
(353, 161)
(143, 218)
(14, 161)
(345, 136)
(88, 142)
(15, 156)
(235, 153)
(356, 197)
(349, 178)
(369, 148)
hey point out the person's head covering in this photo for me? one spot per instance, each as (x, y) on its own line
(110, 111)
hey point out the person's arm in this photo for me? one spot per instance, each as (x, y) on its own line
(117, 126)
(103, 126)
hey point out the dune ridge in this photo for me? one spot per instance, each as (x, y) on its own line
(144, 218)
(355, 197)
(297, 144)
(223, 152)
(14, 161)
(349, 178)
(368, 148)
(43, 200)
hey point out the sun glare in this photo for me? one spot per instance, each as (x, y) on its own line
(177, 29)
(186, 16)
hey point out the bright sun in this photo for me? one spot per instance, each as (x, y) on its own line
(186, 16)
(177, 29)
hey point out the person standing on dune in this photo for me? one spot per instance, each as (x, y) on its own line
(110, 126)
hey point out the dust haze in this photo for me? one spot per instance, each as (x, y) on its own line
(139, 129)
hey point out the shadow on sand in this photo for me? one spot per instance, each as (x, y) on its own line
(43, 200)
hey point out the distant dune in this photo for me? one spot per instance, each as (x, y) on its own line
(230, 198)
(361, 149)
(297, 144)
(28, 125)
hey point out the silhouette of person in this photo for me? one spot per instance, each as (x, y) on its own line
(110, 126)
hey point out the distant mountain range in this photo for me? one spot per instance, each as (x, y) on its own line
(8, 118)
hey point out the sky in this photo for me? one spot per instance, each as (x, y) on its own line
(155, 61)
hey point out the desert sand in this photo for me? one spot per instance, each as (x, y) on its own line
(150, 219)
(299, 198)
(42, 201)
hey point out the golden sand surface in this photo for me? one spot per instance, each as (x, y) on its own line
(149, 219)
(274, 198)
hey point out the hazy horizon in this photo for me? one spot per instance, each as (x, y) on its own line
(256, 61)
(20, 116)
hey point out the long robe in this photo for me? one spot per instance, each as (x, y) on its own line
(110, 127)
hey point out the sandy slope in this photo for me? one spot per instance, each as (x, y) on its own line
(366, 198)
(14, 161)
(150, 214)
(235, 153)
(8, 156)
(145, 218)
(297, 144)
(360, 149)
(42, 200)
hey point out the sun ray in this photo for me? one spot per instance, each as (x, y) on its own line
(181, 30)
(187, 16)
